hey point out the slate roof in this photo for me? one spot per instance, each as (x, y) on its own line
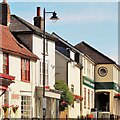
(10, 45)
(19, 25)
(94, 54)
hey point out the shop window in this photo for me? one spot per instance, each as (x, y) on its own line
(25, 70)
(5, 63)
(26, 107)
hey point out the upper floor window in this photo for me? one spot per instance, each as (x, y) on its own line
(88, 99)
(46, 73)
(25, 70)
(46, 46)
(5, 63)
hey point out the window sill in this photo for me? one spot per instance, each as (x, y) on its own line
(25, 81)
(46, 54)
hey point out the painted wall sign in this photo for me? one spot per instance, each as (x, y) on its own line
(15, 96)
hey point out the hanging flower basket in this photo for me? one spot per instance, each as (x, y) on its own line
(117, 95)
(63, 103)
(5, 107)
(77, 97)
(14, 108)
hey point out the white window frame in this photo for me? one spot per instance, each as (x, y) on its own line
(25, 106)
(46, 73)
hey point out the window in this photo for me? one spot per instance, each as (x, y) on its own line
(88, 99)
(25, 70)
(72, 91)
(46, 46)
(92, 99)
(88, 68)
(25, 107)
(46, 73)
(5, 63)
(84, 97)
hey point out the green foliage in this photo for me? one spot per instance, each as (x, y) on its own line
(66, 96)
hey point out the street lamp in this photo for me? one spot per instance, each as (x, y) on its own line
(54, 17)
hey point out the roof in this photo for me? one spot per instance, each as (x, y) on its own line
(94, 54)
(19, 25)
(10, 45)
(65, 42)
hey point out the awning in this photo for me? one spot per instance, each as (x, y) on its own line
(5, 80)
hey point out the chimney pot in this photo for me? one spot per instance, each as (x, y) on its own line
(38, 11)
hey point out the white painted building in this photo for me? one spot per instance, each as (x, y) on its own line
(19, 62)
(68, 68)
(31, 37)
(88, 84)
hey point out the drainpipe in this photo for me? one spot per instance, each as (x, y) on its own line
(81, 82)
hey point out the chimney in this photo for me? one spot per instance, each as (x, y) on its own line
(4, 13)
(38, 20)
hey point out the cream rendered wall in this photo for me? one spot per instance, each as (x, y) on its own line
(115, 74)
(74, 79)
(108, 77)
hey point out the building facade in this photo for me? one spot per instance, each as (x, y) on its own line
(19, 62)
(68, 69)
(32, 37)
(106, 75)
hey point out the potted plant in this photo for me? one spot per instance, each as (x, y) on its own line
(5, 108)
(14, 108)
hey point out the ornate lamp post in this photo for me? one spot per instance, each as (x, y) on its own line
(54, 17)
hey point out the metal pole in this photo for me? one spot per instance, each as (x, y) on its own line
(44, 99)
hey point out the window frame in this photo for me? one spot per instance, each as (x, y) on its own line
(6, 63)
(88, 99)
(26, 72)
(84, 97)
(24, 105)
(46, 73)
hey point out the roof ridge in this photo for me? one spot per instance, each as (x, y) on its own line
(83, 42)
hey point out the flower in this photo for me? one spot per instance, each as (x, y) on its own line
(117, 95)
(64, 103)
(89, 115)
(14, 108)
(5, 107)
(78, 97)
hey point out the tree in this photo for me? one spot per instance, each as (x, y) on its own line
(66, 96)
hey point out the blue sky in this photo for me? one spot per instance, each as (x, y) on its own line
(94, 22)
